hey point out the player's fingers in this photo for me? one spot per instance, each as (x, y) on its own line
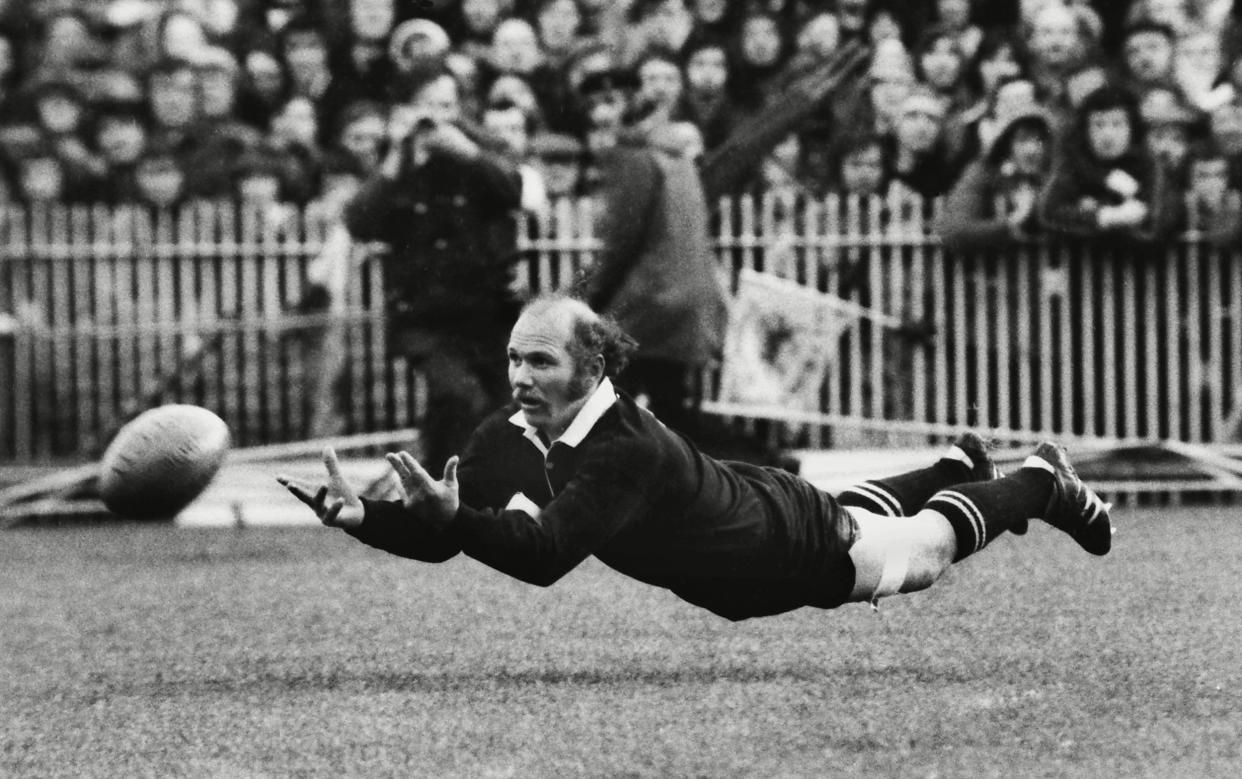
(302, 492)
(418, 474)
(335, 477)
(330, 513)
(398, 465)
(450, 472)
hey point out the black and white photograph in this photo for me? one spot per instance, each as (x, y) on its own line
(620, 388)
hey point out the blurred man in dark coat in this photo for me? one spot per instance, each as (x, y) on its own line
(443, 203)
(655, 272)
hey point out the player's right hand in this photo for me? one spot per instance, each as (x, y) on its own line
(335, 503)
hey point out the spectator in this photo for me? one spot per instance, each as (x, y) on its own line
(954, 18)
(160, 178)
(557, 23)
(656, 24)
(1148, 57)
(941, 65)
(972, 131)
(920, 157)
(1214, 205)
(41, 179)
(515, 53)
(173, 95)
(448, 274)
(361, 134)
(761, 53)
(1057, 50)
(818, 37)
(306, 53)
(861, 165)
(1105, 184)
(417, 49)
(654, 273)
(707, 101)
(1197, 66)
(62, 117)
(68, 47)
(258, 179)
(558, 158)
(714, 18)
(780, 170)
(1169, 128)
(995, 202)
(360, 61)
(1226, 131)
(294, 149)
(884, 23)
(180, 36)
(513, 127)
(890, 80)
(120, 135)
(517, 91)
(264, 86)
(218, 74)
(1178, 16)
(855, 17)
(479, 20)
(660, 87)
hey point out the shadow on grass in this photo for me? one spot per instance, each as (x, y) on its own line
(518, 678)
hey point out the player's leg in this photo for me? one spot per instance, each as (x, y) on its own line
(903, 495)
(905, 554)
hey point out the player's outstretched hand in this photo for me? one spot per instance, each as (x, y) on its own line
(335, 503)
(423, 495)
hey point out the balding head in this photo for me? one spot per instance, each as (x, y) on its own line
(589, 334)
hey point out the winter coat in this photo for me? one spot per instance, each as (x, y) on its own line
(656, 273)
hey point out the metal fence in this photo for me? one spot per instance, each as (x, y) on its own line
(104, 311)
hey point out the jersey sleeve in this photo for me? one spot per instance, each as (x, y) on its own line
(611, 490)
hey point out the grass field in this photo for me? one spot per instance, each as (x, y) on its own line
(147, 651)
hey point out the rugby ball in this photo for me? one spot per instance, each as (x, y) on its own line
(161, 461)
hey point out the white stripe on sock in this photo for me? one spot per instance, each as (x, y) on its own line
(885, 499)
(972, 513)
(957, 453)
(1039, 462)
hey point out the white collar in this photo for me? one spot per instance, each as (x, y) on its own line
(597, 404)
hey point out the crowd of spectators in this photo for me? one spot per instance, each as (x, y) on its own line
(1080, 116)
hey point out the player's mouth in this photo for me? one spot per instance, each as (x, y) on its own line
(529, 403)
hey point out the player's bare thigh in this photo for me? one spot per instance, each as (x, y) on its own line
(899, 554)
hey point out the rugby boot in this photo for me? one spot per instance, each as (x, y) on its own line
(977, 450)
(984, 469)
(1074, 508)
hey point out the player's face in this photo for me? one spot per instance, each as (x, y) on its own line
(543, 374)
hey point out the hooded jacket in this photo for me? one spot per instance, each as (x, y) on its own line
(1082, 184)
(977, 211)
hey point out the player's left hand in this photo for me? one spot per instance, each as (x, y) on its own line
(422, 494)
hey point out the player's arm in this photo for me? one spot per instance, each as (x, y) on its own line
(386, 525)
(610, 490)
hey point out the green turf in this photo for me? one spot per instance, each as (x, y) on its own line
(147, 651)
